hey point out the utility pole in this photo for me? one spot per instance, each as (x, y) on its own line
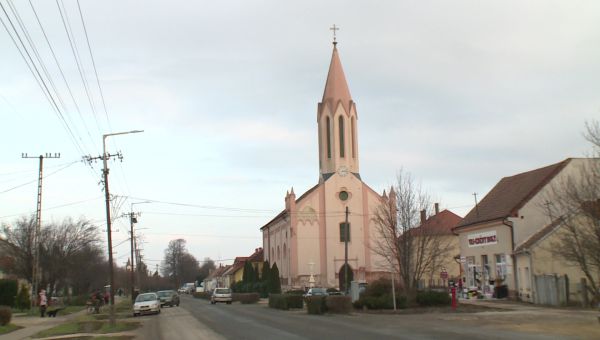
(105, 157)
(346, 237)
(35, 275)
(132, 219)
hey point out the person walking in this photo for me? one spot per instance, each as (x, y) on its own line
(43, 303)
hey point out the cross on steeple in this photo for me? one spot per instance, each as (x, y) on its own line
(334, 28)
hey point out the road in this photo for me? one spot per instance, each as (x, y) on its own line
(198, 319)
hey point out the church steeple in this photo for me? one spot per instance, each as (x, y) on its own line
(337, 122)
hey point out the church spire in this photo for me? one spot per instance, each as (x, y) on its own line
(336, 87)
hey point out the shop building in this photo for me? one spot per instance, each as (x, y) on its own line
(501, 238)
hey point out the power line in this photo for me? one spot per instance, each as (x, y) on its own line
(32, 181)
(61, 72)
(75, 51)
(54, 207)
(36, 74)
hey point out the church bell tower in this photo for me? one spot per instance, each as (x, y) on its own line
(337, 124)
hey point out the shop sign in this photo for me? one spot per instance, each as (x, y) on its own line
(482, 239)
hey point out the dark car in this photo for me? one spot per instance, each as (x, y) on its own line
(168, 297)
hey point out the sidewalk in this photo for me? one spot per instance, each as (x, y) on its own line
(34, 324)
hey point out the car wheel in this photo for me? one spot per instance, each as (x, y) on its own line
(134, 315)
(228, 302)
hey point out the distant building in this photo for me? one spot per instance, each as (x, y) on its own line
(507, 237)
(440, 225)
(307, 237)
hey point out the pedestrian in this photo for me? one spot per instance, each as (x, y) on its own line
(43, 303)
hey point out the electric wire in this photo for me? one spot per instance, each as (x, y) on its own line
(35, 180)
(74, 50)
(36, 74)
(60, 69)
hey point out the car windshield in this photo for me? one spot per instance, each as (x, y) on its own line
(319, 290)
(222, 291)
(164, 293)
(145, 297)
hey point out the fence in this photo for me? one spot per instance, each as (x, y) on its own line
(551, 290)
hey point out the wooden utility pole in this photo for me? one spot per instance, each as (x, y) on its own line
(35, 275)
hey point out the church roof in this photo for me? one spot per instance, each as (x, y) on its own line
(336, 87)
(284, 212)
(511, 193)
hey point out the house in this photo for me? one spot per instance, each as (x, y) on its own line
(216, 279)
(439, 229)
(236, 272)
(507, 237)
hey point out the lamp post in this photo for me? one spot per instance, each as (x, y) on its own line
(108, 221)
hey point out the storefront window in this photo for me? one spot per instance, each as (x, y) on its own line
(500, 266)
(471, 271)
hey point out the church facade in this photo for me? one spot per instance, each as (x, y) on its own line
(307, 239)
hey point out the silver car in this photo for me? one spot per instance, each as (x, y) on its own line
(146, 303)
(221, 295)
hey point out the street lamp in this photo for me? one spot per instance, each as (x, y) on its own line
(105, 157)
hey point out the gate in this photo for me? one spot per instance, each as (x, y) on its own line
(551, 290)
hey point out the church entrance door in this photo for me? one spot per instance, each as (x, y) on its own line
(342, 277)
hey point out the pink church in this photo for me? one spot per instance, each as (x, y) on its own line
(306, 239)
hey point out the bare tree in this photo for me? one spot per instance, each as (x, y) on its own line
(178, 264)
(17, 243)
(574, 203)
(409, 248)
(69, 252)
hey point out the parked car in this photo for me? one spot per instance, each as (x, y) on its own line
(316, 292)
(221, 295)
(182, 290)
(146, 303)
(168, 297)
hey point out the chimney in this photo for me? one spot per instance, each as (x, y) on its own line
(437, 208)
(423, 216)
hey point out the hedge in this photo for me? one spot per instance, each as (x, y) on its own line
(202, 295)
(5, 315)
(295, 301)
(8, 292)
(278, 301)
(380, 302)
(338, 304)
(246, 298)
(433, 298)
(316, 305)
(22, 301)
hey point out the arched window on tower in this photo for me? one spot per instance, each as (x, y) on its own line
(341, 120)
(328, 134)
(353, 141)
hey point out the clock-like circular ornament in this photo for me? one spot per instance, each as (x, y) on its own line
(343, 171)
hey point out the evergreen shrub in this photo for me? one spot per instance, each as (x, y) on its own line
(5, 315)
(278, 301)
(338, 304)
(433, 298)
(316, 305)
(8, 292)
(23, 301)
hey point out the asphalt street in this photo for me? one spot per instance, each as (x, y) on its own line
(198, 319)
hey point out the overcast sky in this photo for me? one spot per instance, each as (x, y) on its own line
(458, 93)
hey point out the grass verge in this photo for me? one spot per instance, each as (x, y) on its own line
(9, 328)
(92, 327)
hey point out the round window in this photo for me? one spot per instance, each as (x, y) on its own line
(343, 195)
